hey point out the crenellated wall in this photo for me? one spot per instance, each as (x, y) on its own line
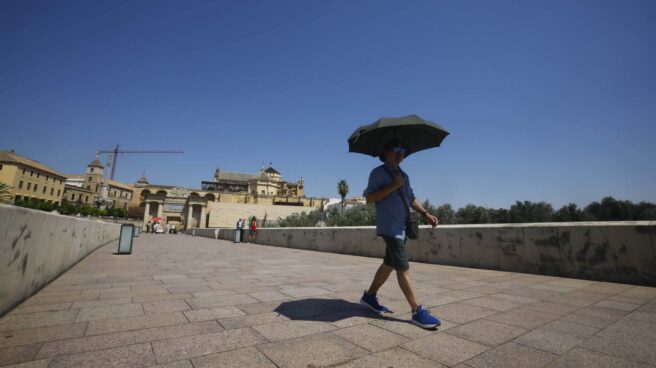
(607, 251)
(36, 247)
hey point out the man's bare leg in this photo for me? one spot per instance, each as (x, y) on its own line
(381, 276)
(406, 287)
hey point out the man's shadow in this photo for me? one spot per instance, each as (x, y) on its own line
(328, 310)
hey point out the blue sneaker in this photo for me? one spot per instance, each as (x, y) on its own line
(422, 318)
(372, 302)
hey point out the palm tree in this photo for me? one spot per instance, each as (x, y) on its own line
(6, 197)
(342, 189)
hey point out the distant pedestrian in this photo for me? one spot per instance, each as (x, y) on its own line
(238, 230)
(389, 188)
(148, 227)
(252, 230)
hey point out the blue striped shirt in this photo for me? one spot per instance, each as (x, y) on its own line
(390, 214)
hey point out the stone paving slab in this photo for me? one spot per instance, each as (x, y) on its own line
(183, 302)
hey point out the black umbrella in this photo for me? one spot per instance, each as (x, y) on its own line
(415, 134)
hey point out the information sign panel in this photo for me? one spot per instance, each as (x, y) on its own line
(125, 240)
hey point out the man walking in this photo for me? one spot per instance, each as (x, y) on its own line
(387, 183)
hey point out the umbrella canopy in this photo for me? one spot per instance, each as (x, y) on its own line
(415, 133)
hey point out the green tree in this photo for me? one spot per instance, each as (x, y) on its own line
(342, 189)
(499, 216)
(567, 213)
(301, 220)
(445, 214)
(645, 211)
(528, 211)
(361, 215)
(610, 209)
(6, 195)
(472, 214)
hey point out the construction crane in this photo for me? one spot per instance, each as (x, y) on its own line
(116, 151)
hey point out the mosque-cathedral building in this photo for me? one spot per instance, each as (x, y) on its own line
(225, 199)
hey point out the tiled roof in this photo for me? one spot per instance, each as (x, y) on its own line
(118, 184)
(10, 157)
(81, 189)
(96, 163)
(232, 176)
(271, 170)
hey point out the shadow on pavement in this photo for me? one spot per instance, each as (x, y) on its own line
(328, 310)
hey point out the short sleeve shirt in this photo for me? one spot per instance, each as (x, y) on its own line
(390, 211)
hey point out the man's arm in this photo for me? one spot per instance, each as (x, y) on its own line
(385, 191)
(430, 218)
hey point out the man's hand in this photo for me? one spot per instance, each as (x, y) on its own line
(432, 220)
(398, 181)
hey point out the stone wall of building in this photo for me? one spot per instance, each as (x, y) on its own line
(623, 251)
(36, 247)
(226, 214)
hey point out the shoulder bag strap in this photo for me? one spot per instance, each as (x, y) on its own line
(405, 201)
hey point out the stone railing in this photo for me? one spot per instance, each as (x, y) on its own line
(37, 246)
(607, 251)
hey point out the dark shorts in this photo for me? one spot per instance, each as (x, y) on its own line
(395, 255)
(252, 232)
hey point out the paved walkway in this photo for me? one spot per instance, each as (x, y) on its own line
(181, 301)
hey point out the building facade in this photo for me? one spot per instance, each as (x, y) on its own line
(30, 179)
(220, 202)
(223, 200)
(268, 182)
(93, 187)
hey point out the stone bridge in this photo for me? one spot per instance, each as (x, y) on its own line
(183, 301)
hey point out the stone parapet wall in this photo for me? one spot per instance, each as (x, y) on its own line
(607, 251)
(36, 247)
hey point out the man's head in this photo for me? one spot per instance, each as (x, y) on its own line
(393, 152)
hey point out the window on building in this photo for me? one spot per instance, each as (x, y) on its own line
(86, 198)
(72, 196)
(89, 178)
(29, 186)
(58, 192)
(18, 198)
(0, 167)
(31, 173)
(91, 169)
(52, 191)
(96, 187)
(23, 171)
(36, 186)
(38, 175)
(89, 187)
(20, 184)
(44, 189)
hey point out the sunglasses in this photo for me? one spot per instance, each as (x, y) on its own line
(398, 150)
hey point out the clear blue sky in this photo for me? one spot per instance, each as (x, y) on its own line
(545, 100)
